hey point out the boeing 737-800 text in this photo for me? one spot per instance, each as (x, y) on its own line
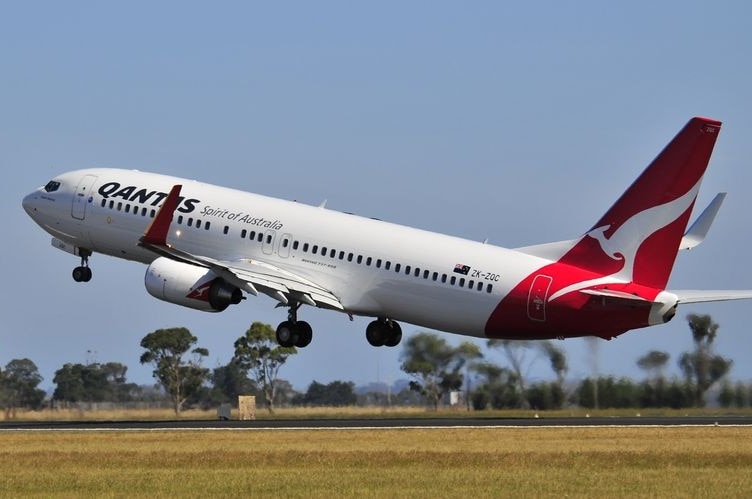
(207, 247)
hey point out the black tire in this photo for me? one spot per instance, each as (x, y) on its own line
(376, 334)
(286, 334)
(87, 274)
(395, 334)
(79, 273)
(305, 334)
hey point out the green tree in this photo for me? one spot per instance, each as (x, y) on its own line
(336, 394)
(258, 352)
(18, 384)
(93, 383)
(229, 381)
(436, 367)
(653, 362)
(180, 378)
(521, 356)
(703, 367)
(497, 388)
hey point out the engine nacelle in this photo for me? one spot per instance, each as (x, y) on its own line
(190, 286)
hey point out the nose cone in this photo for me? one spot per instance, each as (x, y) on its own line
(30, 204)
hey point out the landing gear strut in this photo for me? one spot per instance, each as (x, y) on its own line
(292, 332)
(82, 273)
(384, 332)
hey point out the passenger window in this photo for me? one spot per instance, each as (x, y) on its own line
(226, 230)
(360, 259)
(269, 239)
(453, 281)
(332, 253)
(315, 249)
(480, 286)
(341, 255)
(243, 233)
(206, 227)
(349, 257)
(397, 267)
(407, 270)
(190, 222)
(471, 284)
(462, 282)
(435, 276)
(285, 242)
(489, 288)
(323, 251)
(112, 204)
(252, 235)
(305, 248)
(143, 212)
(295, 245)
(198, 223)
(368, 261)
(120, 207)
(104, 202)
(417, 272)
(153, 214)
(387, 265)
(378, 263)
(260, 237)
(180, 219)
(443, 277)
(425, 274)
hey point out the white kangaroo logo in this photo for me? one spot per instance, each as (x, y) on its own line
(627, 239)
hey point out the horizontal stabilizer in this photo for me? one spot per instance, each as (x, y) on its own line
(699, 229)
(701, 296)
(619, 295)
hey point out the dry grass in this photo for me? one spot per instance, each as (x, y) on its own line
(710, 462)
(354, 412)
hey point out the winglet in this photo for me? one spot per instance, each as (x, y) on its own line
(156, 234)
(699, 229)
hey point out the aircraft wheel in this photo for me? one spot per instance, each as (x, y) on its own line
(87, 274)
(395, 334)
(286, 334)
(79, 274)
(305, 334)
(376, 334)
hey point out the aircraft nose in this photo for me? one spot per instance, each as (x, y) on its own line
(29, 203)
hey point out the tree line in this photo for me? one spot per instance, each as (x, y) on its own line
(436, 370)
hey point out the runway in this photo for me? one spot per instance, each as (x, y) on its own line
(360, 423)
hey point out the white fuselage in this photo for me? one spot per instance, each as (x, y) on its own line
(373, 267)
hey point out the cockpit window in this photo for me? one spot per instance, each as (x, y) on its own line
(52, 186)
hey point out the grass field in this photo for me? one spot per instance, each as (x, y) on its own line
(688, 462)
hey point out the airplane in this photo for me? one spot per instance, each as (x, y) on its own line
(207, 247)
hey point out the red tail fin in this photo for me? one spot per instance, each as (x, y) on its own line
(638, 237)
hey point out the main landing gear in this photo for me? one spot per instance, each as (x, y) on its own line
(384, 332)
(82, 273)
(295, 333)
(292, 332)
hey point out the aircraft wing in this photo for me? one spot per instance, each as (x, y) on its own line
(250, 275)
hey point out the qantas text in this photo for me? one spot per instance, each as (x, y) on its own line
(143, 196)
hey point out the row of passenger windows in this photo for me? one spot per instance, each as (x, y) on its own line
(314, 249)
(126, 207)
(143, 211)
(368, 261)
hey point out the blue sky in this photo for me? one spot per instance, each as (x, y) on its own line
(519, 122)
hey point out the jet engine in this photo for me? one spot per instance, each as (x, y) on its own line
(190, 286)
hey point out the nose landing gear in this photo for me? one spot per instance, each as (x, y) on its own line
(82, 273)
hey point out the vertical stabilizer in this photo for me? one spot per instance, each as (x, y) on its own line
(639, 235)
